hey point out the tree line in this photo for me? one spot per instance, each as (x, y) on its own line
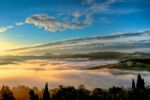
(137, 92)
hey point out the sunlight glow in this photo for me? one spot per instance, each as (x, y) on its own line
(6, 45)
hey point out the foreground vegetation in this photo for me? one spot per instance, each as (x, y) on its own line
(137, 92)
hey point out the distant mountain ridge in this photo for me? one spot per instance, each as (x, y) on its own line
(93, 55)
(102, 55)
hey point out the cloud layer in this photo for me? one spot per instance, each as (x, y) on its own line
(122, 42)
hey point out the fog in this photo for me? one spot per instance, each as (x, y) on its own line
(67, 72)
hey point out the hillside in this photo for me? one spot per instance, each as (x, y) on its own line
(129, 64)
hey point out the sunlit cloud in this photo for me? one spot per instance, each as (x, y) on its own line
(50, 23)
(4, 29)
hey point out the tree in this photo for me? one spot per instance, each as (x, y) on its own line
(133, 84)
(64, 93)
(98, 94)
(140, 82)
(46, 95)
(83, 93)
(6, 93)
(33, 96)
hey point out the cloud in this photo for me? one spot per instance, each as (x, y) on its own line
(125, 41)
(50, 23)
(4, 29)
(104, 20)
(19, 23)
(87, 1)
(104, 7)
(76, 15)
(99, 6)
(76, 20)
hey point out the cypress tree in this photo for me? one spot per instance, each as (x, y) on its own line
(133, 84)
(46, 95)
(140, 82)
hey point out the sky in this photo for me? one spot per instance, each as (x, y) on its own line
(26, 23)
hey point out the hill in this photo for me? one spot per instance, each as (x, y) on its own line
(129, 64)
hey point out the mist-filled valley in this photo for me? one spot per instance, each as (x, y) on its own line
(73, 70)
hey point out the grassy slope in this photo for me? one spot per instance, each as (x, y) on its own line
(129, 64)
